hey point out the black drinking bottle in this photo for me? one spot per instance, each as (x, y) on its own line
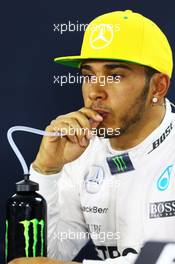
(26, 222)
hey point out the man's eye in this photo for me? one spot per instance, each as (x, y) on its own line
(87, 77)
(117, 76)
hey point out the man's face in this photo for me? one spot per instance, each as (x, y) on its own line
(123, 101)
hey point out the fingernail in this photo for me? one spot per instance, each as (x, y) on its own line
(99, 117)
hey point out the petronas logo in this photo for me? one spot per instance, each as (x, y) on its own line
(120, 163)
(35, 224)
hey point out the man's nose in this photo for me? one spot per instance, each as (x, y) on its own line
(97, 92)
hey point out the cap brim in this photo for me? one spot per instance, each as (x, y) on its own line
(75, 61)
(71, 61)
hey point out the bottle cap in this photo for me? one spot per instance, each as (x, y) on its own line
(27, 185)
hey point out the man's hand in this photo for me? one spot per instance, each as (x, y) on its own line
(39, 260)
(55, 152)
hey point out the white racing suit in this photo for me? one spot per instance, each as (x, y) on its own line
(120, 199)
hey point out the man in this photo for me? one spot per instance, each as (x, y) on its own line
(112, 183)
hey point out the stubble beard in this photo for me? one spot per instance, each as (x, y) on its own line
(129, 121)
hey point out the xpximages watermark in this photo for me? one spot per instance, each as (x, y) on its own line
(111, 183)
(101, 131)
(70, 26)
(101, 236)
(62, 80)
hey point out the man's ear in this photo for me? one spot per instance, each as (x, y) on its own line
(160, 83)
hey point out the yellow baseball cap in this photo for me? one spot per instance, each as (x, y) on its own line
(124, 36)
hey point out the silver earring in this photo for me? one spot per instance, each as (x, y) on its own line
(154, 100)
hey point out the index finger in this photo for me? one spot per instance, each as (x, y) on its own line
(91, 114)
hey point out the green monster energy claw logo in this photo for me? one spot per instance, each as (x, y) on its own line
(120, 164)
(26, 224)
